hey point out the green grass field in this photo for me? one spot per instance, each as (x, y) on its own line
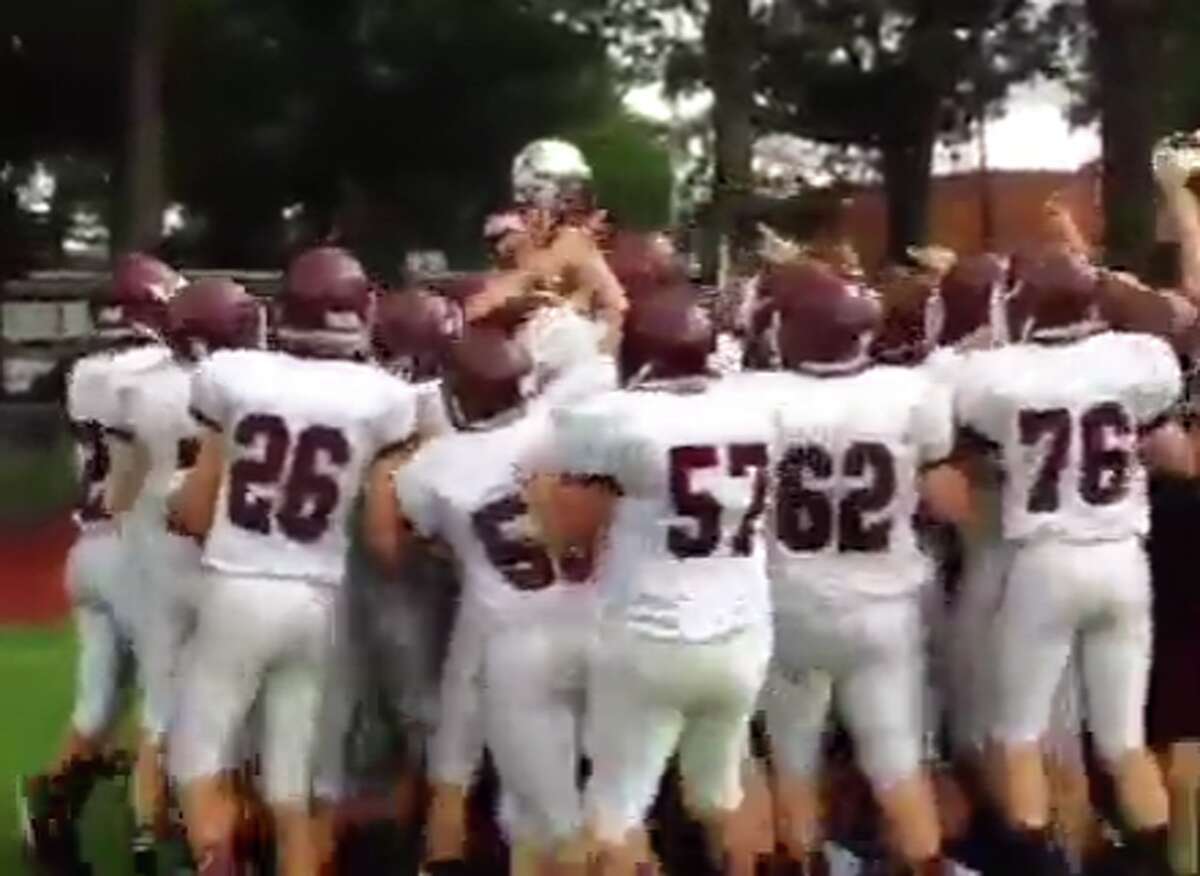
(37, 677)
(37, 673)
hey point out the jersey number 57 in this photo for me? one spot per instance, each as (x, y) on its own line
(690, 467)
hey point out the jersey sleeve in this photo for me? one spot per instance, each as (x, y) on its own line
(1160, 380)
(933, 423)
(120, 424)
(209, 402)
(583, 440)
(583, 380)
(415, 492)
(396, 422)
(977, 411)
(562, 340)
(89, 394)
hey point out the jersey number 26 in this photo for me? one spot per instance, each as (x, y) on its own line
(301, 497)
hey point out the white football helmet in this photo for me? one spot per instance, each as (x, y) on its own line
(547, 173)
(1177, 155)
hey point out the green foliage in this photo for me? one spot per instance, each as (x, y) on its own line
(1179, 100)
(848, 72)
(392, 122)
(37, 668)
(632, 170)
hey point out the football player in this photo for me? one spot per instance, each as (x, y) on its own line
(1071, 410)
(552, 192)
(290, 438)
(129, 318)
(679, 487)
(483, 490)
(858, 446)
(158, 441)
(398, 619)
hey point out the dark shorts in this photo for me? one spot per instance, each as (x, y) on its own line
(1173, 711)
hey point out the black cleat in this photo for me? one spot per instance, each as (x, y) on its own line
(47, 824)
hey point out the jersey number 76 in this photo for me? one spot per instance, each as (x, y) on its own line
(1104, 464)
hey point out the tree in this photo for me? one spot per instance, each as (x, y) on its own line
(894, 75)
(383, 124)
(730, 50)
(1136, 77)
(631, 170)
(142, 169)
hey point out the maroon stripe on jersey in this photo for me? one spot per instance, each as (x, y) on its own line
(200, 417)
(833, 369)
(607, 482)
(972, 439)
(396, 446)
(1155, 423)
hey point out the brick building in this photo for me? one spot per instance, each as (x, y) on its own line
(958, 205)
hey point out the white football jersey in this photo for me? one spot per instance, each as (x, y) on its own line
(945, 365)
(153, 409)
(560, 340)
(1065, 420)
(92, 409)
(728, 356)
(851, 449)
(299, 436)
(432, 417)
(685, 555)
(467, 488)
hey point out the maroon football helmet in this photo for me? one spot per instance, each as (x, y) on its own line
(667, 335)
(411, 331)
(823, 319)
(1056, 294)
(970, 295)
(644, 263)
(213, 314)
(325, 305)
(487, 375)
(911, 318)
(134, 305)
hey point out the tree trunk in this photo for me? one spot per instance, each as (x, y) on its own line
(908, 179)
(1127, 58)
(142, 189)
(729, 49)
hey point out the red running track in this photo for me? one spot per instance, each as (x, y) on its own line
(32, 560)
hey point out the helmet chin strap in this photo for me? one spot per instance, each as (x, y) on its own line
(463, 423)
(1089, 325)
(644, 379)
(854, 362)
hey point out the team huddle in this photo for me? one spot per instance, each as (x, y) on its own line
(570, 513)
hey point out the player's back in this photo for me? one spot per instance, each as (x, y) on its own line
(299, 434)
(92, 409)
(153, 404)
(685, 555)
(1065, 419)
(851, 449)
(470, 488)
(946, 366)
